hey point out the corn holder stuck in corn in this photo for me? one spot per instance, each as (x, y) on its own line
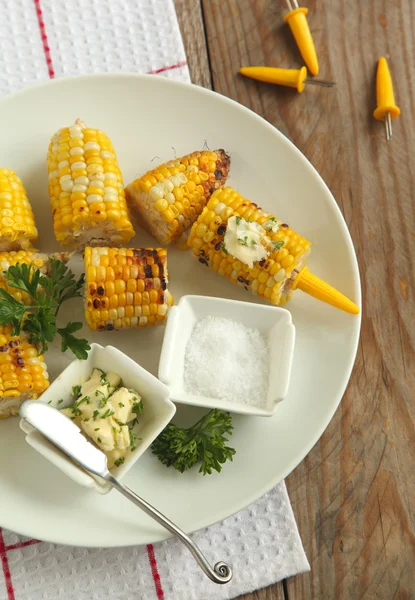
(23, 371)
(17, 222)
(294, 78)
(297, 21)
(253, 249)
(169, 199)
(86, 189)
(126, 287)
(386, 108)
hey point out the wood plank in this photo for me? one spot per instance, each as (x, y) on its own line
(352, 495)
(189, 14)
(273, 592)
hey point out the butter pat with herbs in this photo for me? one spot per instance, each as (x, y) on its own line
(106, 411)
(122, 375)
(248, 241)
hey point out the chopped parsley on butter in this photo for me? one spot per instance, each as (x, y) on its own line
(106, 411)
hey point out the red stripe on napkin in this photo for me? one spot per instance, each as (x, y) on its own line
(22, 545)
(6, 568)
(44, 37)
(154, 571)
(169, 68)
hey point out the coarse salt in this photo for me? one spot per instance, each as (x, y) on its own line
(227, 361)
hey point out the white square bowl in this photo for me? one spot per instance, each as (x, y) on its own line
(273, 322)
(158, 409)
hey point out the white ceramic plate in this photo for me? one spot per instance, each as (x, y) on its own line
(146, 117)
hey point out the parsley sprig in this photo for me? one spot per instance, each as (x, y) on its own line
(47, 292)
(203, 442)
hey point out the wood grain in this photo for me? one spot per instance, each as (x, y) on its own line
(189, 13)
(353, 496)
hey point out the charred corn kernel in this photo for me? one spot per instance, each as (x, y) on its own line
(17, 222)
(137, 292)
(20, 363)
(38, 260)
(169, 199)
(276, 276)
(86, 189)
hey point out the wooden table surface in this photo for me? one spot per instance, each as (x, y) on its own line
(354, 494)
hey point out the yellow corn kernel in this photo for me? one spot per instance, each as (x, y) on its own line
(134, 295)
(80, 192)
(17, 222)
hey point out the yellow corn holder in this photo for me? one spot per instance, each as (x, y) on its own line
(297, 21)
(316, 287)
(386, 109)
(294, 78)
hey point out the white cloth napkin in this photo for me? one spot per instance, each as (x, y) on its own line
(261, 543)
(42, 39)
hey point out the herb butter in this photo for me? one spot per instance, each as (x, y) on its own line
(106, 411)
(249, 242)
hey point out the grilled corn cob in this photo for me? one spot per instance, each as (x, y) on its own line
(169, 199)
(23, 372)
(279, 272)
(126, 287)
(17, 222)
(86, 189)
(37, 259)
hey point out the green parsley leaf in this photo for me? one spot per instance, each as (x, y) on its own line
(138, 407)
(107, 413)
(278, 245)
(224, 249)
(75, 410)
(119, 461)
(99, 440)
(11, 311)
(133, 440)
(238, 219)
(38, 318)
(79, 346)
(97, 428)
(204, 442)
(243, 241)
(121, 405)
(95, 414)
(60, 401)
(84, 400)
(76, 390)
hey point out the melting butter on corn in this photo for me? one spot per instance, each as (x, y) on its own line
(104, 411)
(248, 241)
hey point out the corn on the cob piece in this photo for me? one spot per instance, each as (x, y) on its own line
(169, 199)
(274, 277)
(23, 372)
(17, 222)
(37, 259)
(269, 278)
(126, 287)
(86, 189)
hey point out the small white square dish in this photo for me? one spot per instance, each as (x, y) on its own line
(275, 324)
(157, 413)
